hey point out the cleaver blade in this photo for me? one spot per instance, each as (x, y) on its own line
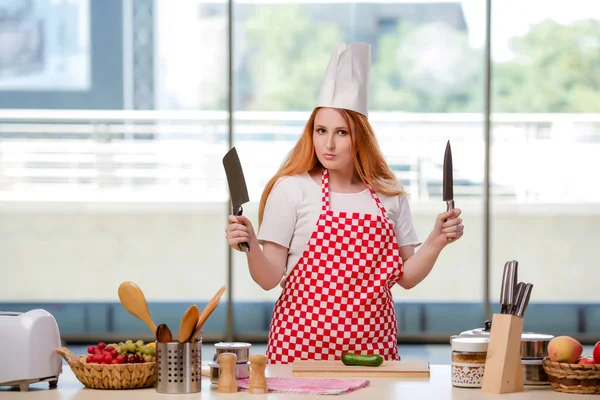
(237, 185)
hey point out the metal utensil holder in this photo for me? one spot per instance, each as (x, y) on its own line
(179, 367)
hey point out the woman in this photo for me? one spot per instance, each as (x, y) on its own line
(336, 231)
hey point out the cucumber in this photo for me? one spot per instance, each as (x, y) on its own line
(365, 360)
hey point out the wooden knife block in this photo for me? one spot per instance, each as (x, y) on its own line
(503, 370)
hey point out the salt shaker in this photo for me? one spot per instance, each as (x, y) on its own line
(258, 382)
(227, 380)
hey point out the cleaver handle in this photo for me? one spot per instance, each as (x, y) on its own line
(245, 247)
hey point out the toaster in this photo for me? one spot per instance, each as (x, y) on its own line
(28, 343)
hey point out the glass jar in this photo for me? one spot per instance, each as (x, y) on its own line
(468, 361)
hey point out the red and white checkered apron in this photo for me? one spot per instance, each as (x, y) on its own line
(337, 299)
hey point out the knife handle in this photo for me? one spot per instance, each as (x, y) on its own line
(449, 206)
(244, 246)
(504, 300)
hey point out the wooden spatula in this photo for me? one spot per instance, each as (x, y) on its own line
(210, 307)
(133, 300)
(163, 334)
(188, 323)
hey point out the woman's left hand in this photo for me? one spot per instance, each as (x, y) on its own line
(448, 228)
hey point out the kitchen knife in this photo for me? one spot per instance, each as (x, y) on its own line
(504, 300)
(448, 183)
(515, 279)
(237, 186)
(525, 300)
(517, 298)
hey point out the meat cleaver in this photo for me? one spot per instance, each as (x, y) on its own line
(237, 186)
(448, 185)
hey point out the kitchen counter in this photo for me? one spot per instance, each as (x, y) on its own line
(438, 387)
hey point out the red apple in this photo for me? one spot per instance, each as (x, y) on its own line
(586, 360)
(596, 353)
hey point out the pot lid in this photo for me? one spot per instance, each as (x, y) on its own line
(525, 336)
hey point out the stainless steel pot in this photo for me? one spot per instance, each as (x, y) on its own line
(242, 371)
(240, 349)
(534, 345)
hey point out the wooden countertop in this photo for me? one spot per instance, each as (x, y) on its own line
(438, 387)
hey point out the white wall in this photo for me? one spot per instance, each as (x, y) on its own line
(64, 252)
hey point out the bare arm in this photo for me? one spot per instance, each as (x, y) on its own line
(418, 265)
(266, 265)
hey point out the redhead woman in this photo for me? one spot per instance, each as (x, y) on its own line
(335, 230)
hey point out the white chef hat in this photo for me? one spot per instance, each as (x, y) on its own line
(346, 82)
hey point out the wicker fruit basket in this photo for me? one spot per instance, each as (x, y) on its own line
(573, 378)
(110, 376)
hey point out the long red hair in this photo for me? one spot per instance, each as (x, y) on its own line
(368, 160)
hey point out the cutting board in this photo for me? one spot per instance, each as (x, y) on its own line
(336, 369)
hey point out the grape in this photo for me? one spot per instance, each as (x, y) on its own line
(127, 352)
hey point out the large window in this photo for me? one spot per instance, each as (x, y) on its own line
(546, 97)
(115, 115)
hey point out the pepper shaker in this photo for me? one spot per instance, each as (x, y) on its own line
(258, 382)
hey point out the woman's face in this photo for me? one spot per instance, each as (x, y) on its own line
(331, 140)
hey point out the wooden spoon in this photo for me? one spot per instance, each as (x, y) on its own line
(210, 307)
(163, 334)
(133, 300)
(188, 323)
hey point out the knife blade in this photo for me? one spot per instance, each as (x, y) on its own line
(237, 186)
(448, 180)
(448, 188)
(525, 300)
(504, 301)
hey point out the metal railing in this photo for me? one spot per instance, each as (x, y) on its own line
(118, 155)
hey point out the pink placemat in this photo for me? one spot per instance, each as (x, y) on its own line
(309, 385)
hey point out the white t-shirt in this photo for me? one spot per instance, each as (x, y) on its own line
(294, 205)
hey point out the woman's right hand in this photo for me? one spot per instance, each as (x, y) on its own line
(239, 230)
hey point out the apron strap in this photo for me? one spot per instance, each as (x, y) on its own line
(325, 191)
(378, 202)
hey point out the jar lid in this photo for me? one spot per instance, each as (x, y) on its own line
(232, 345)
(532, 362)
(472, 344)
